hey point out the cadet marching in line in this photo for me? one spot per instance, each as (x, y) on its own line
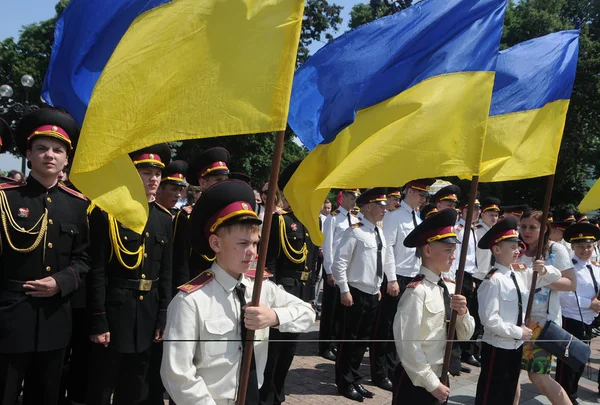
(388, 266)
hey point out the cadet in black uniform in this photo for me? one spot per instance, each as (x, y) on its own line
(206, 169)
(171, 187)
(44, 251)
(289, 259)
(129, 291)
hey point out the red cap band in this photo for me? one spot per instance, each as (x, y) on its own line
(235, 209)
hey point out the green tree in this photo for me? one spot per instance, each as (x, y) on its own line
(320, 18)
(363, 13)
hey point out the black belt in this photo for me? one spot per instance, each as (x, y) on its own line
(295, 274)
(139, 285)
(14, 286)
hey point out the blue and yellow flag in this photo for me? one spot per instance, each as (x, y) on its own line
(591, 201)
(534, 81)
(142, 72)
(403, 97)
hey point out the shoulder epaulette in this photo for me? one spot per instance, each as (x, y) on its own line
(595, 263)
(188, 209)
(7, 186)
(416, 281)
(518, 266)
(197, 282)
(357, 225)
(334, 213)
(478, 226)
(252, 274)
(447, 280)
(459, 227)
(72, 192)
(392, 209)
(491, 273)
(163, 209)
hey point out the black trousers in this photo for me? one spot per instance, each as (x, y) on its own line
(155, 389)
(123, 374)
(382, 356)
(77, 357)
(279, 361)
(565, 375)
(499, 378)
(356, 330)
(41, 372)
(330, 316)
(406, 393)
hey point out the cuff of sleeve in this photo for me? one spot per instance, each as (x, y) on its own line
(344, 287)
(283, 315)
(67, 280)
(517, 332)
(431, 382)
(99, 324)
(161, 319)
(328, 272)
(391, 276)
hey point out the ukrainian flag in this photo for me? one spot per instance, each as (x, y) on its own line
(591, 201)
(403, 97)
(142, 72)
(534, 81)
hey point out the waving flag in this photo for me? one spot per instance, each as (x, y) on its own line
(142, 72)
(403, 97)
(534, 81)
(591, 201)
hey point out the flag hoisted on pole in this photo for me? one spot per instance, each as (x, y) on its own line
(138, 72)
(591, 201)
(529, 107)
(385, 104)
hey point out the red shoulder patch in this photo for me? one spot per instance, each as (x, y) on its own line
(595, 263)
(252, 274)
(72, 192)
(518, 266)
(334, 213)
(447, 280)
(416, 281)
(491, 273)
(459, 227)
(7, 186)
(197, 282)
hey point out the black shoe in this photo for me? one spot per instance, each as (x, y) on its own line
(363, 391)
(465, 369)
(334, 350)
(350, 393)
(472, 361)
(385, 384)
(455, 373)
(328, 354)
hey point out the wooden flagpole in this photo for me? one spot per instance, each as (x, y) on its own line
(260, 267)
(540, 246)
(460, 273)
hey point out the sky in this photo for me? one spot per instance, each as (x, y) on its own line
(16, 13)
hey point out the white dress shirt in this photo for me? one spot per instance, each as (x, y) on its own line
(355, 262)
(203, 351)
(484, 256)
(334, 226)
(499, 304)
(396, 227)
(471, 262)
(420, 330)
(585, 292)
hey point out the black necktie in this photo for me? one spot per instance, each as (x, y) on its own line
(414, 215)
(446, 302)
(252, 395)
(589, 266)
(349, 220)
(379, 258)
(520, 317)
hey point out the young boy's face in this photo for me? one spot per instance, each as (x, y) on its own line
(235, 249)
(506, 253)
(439, 256)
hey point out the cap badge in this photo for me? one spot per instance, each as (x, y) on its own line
(580, 235)
(151, 156)
(23, 212)
(54, 128)
(294, 226)
(245, 206)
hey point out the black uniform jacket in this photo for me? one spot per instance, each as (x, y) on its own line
(116, 304)
(287, 273)
(29, 324)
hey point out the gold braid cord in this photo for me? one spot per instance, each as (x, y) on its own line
(117, 246)
(287, 247)
(7, 219)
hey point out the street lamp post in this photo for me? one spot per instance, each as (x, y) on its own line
(15, 110)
